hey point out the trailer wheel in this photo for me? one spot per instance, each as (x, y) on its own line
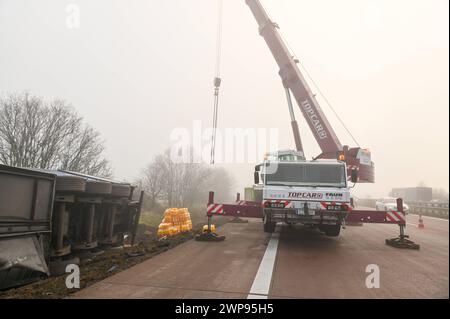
(331, 230)
(269, 226)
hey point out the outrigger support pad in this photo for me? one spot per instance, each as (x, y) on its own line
(208, 235)
(402, 240)
(402, 243)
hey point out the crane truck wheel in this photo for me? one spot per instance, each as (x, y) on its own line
(331, 230)
(269, 226)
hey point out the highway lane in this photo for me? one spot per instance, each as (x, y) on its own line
(306, 264)
(193, 269)
(313, 266)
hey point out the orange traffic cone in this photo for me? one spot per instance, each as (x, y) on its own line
(421, 225)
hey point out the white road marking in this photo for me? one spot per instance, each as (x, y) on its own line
(261, 283)
(257, 297)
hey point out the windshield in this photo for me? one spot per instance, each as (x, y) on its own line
(311, 174)
(390, 201)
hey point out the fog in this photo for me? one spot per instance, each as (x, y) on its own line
(137, 70)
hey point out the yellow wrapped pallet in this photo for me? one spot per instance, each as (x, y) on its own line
(175, 221)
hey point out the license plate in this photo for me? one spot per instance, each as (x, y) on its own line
(335, 208)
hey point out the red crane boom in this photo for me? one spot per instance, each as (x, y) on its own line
(293, 81)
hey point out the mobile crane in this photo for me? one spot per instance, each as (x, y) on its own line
(290, 189)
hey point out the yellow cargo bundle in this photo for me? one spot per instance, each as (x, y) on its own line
(175, 221)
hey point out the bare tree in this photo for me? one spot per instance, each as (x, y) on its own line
(52, 135)
(154, 180)
(193, 181)
(182, 184)
(222, 183)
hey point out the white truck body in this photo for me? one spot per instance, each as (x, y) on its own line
(312, 193)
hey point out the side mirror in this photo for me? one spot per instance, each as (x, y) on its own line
(257, 168)
(354, 176)
(256, 177)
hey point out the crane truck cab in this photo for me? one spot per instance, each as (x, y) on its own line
(295, 190)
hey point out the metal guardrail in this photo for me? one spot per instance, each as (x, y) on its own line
(432, 209)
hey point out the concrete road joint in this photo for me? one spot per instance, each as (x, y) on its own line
(263, 279)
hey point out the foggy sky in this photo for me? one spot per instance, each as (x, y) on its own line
(136, 70)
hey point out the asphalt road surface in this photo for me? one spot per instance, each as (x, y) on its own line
(294, 262)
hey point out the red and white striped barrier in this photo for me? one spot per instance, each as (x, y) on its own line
(215, 209)
(395, 216)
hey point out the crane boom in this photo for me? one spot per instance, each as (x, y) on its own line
(293, 80)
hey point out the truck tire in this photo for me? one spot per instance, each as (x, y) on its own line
(269, 226)
(331, 230)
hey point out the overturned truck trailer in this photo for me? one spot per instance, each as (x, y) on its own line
(91, 212)
(49, 219)
(26, 203)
